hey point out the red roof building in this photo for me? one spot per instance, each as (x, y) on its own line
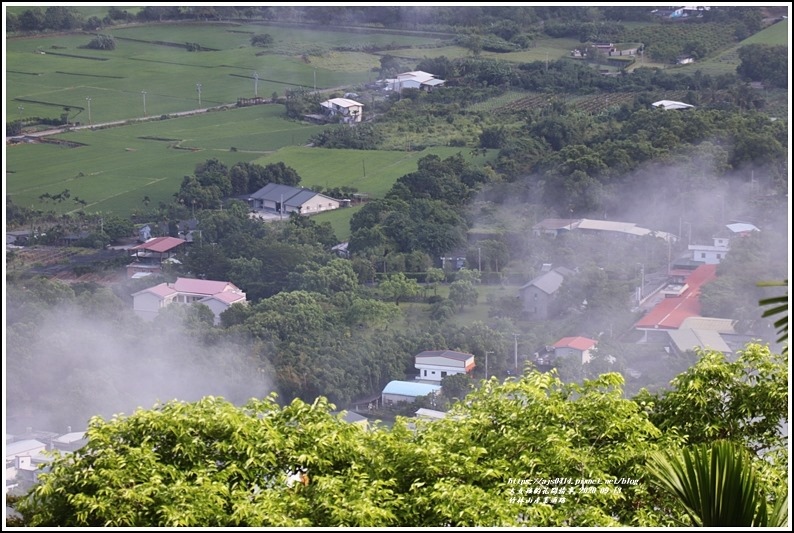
(159, 245)
(574, 347)
(670, 313)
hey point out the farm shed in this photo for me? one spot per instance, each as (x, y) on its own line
(406, 391)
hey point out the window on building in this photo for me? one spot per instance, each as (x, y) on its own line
(703, 255)
(425, 373)
(443, 374)
(433, 372)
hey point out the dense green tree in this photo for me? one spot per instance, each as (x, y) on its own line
(335, 277)
(287, 315)
(760, 62)
(117, 228)
(398, 287)
(31, 20)
(373, 312)
(456, 386)
(463, 293)
(743, 401)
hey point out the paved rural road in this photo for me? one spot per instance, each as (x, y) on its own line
(64, 129)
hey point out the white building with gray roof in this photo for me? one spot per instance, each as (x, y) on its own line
(285, 199)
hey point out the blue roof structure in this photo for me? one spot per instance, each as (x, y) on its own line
(410, 388)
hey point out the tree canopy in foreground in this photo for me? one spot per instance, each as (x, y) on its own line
(581, 450)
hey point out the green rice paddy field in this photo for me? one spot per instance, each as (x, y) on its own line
(47, 74)
(113, 169)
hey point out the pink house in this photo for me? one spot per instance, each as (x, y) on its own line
(217, 295)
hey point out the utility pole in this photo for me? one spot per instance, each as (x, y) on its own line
(486, 364)
(198, 88)
(144, 102)
(479, 259)
(256, 84)
(88, 99)
(315, 81)
(515, 345)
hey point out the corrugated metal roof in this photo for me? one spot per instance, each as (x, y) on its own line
(671, 104)
(23, 447)
(410, 388)
(430, 413)
(689, 339)
(670, 313)
(742, 227)
(341, 102)
(720, 325)
(556, 224)
(275, 192)
(227, 297)
(289, 196)
(415, 75)
(577, 343)
(202, 286)
(70, 437)
(548, 282)
(159, 244)
(301, 198)
(447, 354)
(162, 290)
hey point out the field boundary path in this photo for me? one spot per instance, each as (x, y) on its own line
(130, 121)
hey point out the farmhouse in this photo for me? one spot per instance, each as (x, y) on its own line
(416, 79)
(579, 347)
(343, 110)
(284, 199)
(217, 295)
(406, 391)
(435, 365)
(539, 294)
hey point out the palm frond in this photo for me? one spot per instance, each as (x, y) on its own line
(716, 485)
(780, 304)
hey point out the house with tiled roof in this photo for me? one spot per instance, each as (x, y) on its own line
(217, 295)
(435, 365)
(284, 199)
(578, 347)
